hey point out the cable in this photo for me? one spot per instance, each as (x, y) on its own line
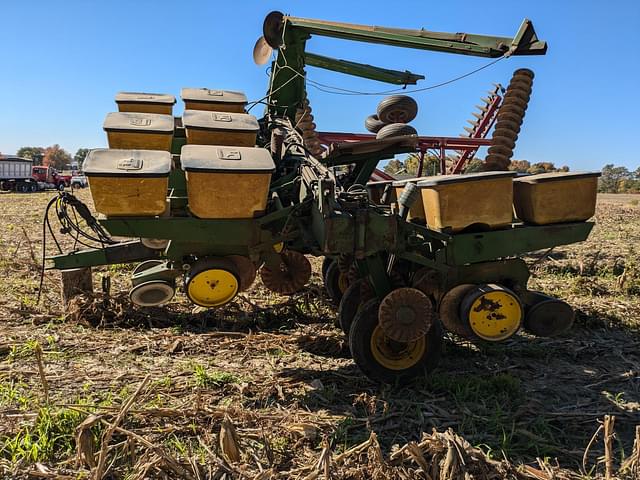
(343, 91)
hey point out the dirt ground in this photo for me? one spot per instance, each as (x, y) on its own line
(265, 388)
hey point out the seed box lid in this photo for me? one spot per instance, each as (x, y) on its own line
(108, 162)
(467, 177)
(223, 159)
(556, 177)
(142, 122)
(220, 121)
(147, 98)
(206, 95)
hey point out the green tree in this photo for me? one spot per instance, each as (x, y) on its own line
(613, 178)
(80, 156)
(57, 157)
(34, 153)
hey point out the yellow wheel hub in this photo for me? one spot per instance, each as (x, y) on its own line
(495, 315)
(395, 355)
(212, 288)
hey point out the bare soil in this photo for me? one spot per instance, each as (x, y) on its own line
(265, 388)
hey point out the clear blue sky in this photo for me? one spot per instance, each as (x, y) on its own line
(61, 63)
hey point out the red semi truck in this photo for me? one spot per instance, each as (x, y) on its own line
(20, 175)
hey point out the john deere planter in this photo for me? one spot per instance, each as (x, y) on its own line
(215, 196)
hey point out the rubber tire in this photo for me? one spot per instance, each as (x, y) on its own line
(360, 345)
(325, 266)
(397, 109)
(331, 279)
(33, 188)
(61, 187)
(373, 124)
(22, 188)
(395, 130)
(349, 305)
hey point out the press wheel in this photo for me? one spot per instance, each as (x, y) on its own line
(212, 282)
(384, 360)
(494, 312)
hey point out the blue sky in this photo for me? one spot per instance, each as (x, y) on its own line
(63, 61)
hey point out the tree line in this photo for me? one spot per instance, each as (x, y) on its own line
(54, 155)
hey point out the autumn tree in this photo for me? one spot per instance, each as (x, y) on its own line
(56, 156)
(394, 166)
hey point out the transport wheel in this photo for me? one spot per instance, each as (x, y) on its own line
(372, 123)
(291, 275)
(151, 294)
(494, 312)
(212, 282)
(335, 282)
(246, 270)
(382, 359)
(549, 318)
(395, 130)
(146, 265)
(397, 109)
(353, 298)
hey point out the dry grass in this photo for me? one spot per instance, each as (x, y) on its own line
(265, 388)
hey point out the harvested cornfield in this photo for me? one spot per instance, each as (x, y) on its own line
(264, 387)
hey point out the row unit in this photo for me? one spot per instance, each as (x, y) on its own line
(222, 181)
(194, 99)
(486, 200)
(154, 131)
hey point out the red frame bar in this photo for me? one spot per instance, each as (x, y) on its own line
(442, 144)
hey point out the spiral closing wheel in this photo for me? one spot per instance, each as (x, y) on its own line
(212, 282)
(406, 314)
(509, 120)
(289, 276)
(152, 293)
(494, 313)
(381, 358)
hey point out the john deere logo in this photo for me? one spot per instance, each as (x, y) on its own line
(140, 122)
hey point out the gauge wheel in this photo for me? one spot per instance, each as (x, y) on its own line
(395, 130)
(387, 361)
(146, 265)
(212, 282)
(152, 293)
(335, 282)
(397, 109)
(372, 123)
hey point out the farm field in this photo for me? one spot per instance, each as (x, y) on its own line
(264, 387)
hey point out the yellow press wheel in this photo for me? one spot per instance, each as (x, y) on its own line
(212, 282)
(494, 313)
(383, 359)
